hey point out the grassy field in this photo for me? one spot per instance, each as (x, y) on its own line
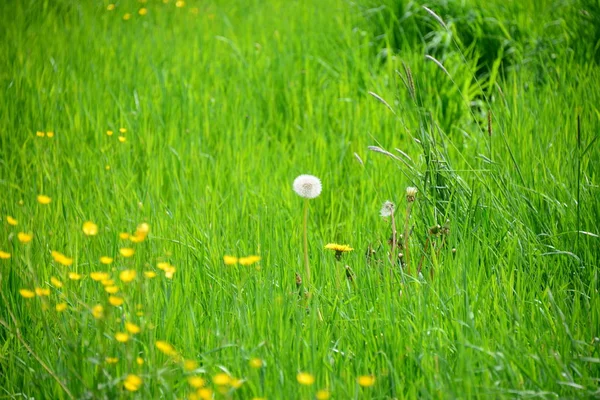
(144, 146)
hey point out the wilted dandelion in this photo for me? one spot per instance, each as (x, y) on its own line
(24, 237)
(98, 311)
(74, 276)
(127, 251)
(56, 282)
(42, 292)
(26, 293)
(4, 255)
(387, 209)
(256, 363)
(132, 328)
(11, 221)
(221, 379)
(60, 307)
(132, 383)
(127, 275)
(90, 228)
(106, 260)
(308, 187)
(411, 193)
(122, 337)
(305, 378)
(196, 381)
(115, 301)
(366, 380)
(43, 199)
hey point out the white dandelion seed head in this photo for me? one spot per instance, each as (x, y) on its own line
(387, 209)
(411, 191)
(307, 186)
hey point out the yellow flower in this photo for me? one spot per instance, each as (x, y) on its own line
(108, 282)
(122, 130)
(74, 276)
(115, 300)
(122, 139)
(139, 361)
(127, 275)
(165, 348)
(143, 11)
(127, 251)
(40, 134)
(98, 311)
(111, 289)
(249, 260)
(99, 276)
(42, 292)
(190, 365)
(50, 134)
(180, 4)
(149, 274)
(90, 228)
(230, 260)
(163, 265)
(111, 360)
(124, 235)
(221, 379)
(110, 7)
(122, 337)
(256, 363)
(43, 199)
(28, 294)
(205, 394)
(169, 272)
(132, 328)
(24, 237)
(366, 380)
(4, 255)
(305, 378)
(237, 383)
(132, 383)
(196, 381)
(323, 394)
(106, 260)
(339, 247)
(126, 17)
(61, 258)
(60, 307)
(11, 220)
(56, 282)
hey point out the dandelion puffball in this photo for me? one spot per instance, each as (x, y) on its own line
(307, 186)
(411, 193)
(387, 209)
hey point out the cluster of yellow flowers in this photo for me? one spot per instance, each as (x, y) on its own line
(249, 260)
(42, 134)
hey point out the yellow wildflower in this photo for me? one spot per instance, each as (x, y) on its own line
(40, 134)
(169, 272)
(256, 363)
(122, 337)
(190, 365)
(56, 282)
(230, 260)
(60, 307)
(24, 237)
(221, 379)
(237, 383)
(124, 235)
(61, 258)
(196, 381)
(74, 276)
(90, 228)
(127, 275)
(180, 3)
(139, 361)
(323, 394)
(42, 291)
(122, 139)
(107, 282)
(50, 134)
(366, 380)
(28, 294)
(339, 249)
(305, 378)
(132, 383)
(98, 311)
(126, 17)
(165, 348)
(11, 221)
(43, 199)
(132, 328)
(249, 260)
(4, 255)
(115, 300)
(111, 289)
(122, 130)
(106, 260)
(127, 251)
(110, 133)
(143, 11)
(111, 360)
(99, 276)
(149, 274)
(205, 394)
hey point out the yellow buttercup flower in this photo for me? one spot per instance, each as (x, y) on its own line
(98, 311)
(132, 383)
(205, 393)
(74, 276)
(132, 328)
(323, 394)
(106, 260)
(230, 260)
(366, 380)
(122, 130)
(165, 347)
(169, 272)
(110, 133)
(107, 282)
(305, 378)
(249, 260)
(143, 11)
(111, 360)
(126, 17)
(24, 237)
(256, 363)
(62, 259)
(221, 379)
(124, 235)
(190, 365)
(111, 289)
(128, 275)
(149, 274)
(43, 199)
(11, 221)
(115, 300)
(127, 251)
(237, 383)
(28, 294)
(4, 255)
(50, 134)
(90, 228)
(40, 134)
(56, 282)
(122, 337)
(196, 381)
(60, 307)
(139, 361)
(42, 291)
(180, 3)
(122, 139)
(99, 276)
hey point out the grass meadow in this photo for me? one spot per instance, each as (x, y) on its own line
(152, 245)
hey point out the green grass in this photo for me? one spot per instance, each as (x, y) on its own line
(225, 103)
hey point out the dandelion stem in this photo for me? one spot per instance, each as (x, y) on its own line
(394, 234)
(406, 249)
(306, 264)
